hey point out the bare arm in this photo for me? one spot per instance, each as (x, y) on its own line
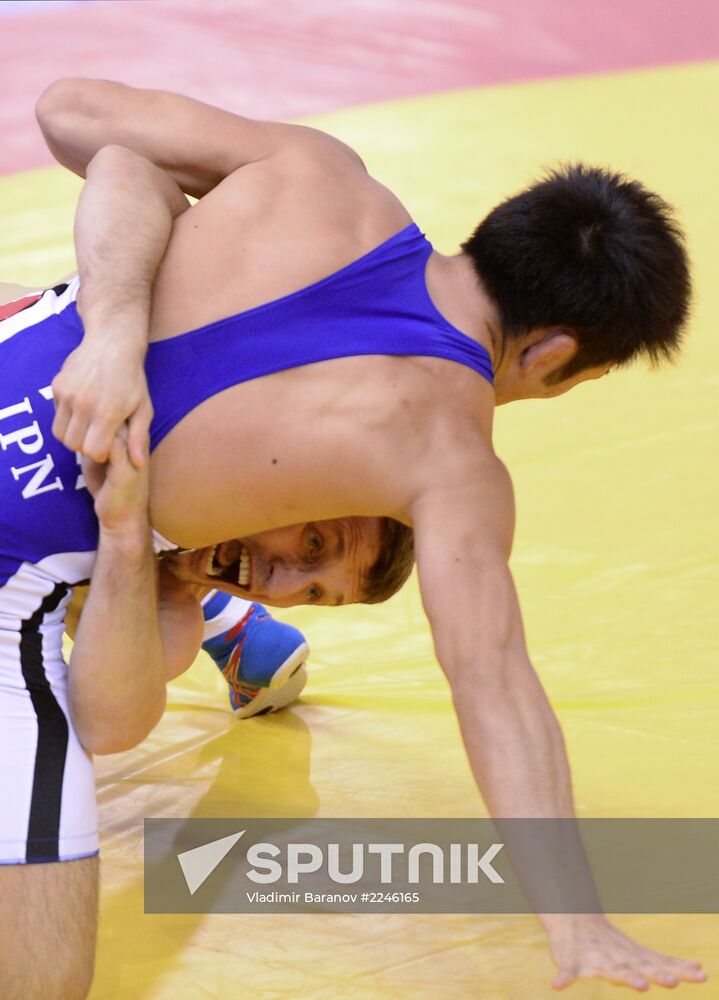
(463, 534)
(117, 667)
(196, 144)
(463, 537)
(122, 226)
(137, 148)
(180, 622)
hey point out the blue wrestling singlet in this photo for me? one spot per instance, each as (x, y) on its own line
(377, 305)
(44, 506)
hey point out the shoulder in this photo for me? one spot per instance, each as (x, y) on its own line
(471, 508)
(313, 146)
(336, 180)
(439, 434)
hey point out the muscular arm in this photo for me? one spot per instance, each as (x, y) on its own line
(135, 147)
(180, 622)
(196, 144)
(122, 226)
(514, 743)
(515, 747)
(116, 678)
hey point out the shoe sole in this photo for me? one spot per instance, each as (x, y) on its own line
(272, 699)
(287, 669)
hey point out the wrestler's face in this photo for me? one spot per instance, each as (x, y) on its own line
(319, 562)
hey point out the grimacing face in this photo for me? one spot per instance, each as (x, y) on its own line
(317, 562)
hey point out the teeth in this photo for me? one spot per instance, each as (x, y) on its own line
(210, 565)
(243, 577)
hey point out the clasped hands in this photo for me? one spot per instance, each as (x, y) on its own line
(103, 411)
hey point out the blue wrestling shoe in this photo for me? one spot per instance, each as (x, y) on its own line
(262, 660)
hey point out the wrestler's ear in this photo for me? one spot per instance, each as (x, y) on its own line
(548, 350)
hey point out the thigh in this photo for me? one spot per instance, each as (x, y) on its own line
(47, 782)
(48, 912)
(48, 821)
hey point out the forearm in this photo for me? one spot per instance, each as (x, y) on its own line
(514, 743)
(180, 622)
(123, 224)
(517, 753)
(117, 668)
(513, 739)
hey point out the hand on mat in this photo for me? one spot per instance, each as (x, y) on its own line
(586, 946)
(99, 388)
(121, 489)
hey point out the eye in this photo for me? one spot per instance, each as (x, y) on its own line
(313, 594)
(314, 543)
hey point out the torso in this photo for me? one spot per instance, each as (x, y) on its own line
(359, 435)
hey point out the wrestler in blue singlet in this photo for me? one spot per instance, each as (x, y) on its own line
(379, 304)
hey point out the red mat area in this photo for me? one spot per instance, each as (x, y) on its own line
(300, 57)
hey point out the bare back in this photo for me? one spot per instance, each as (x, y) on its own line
(325, 440)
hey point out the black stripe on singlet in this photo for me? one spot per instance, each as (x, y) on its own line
(43, 833)
(57, 289)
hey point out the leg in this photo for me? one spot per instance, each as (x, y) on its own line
(48, 921)
(48, 822)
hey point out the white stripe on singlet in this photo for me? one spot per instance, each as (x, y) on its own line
(25, 590)
(46, 776)
(48, 304)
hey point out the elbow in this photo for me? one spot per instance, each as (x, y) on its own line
(65, 113)
(104, 744)
(57, 102)
(72, 114)
(110, 734)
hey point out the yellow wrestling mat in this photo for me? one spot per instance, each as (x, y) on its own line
(617, 495)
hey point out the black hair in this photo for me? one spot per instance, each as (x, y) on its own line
(591, 251)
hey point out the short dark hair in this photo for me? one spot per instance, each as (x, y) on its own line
(593, 251)
(393, 565)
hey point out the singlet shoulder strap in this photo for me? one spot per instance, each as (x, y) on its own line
(378, 304)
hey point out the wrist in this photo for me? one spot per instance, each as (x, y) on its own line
(130, 539)
(124, 325)
(557, 922)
